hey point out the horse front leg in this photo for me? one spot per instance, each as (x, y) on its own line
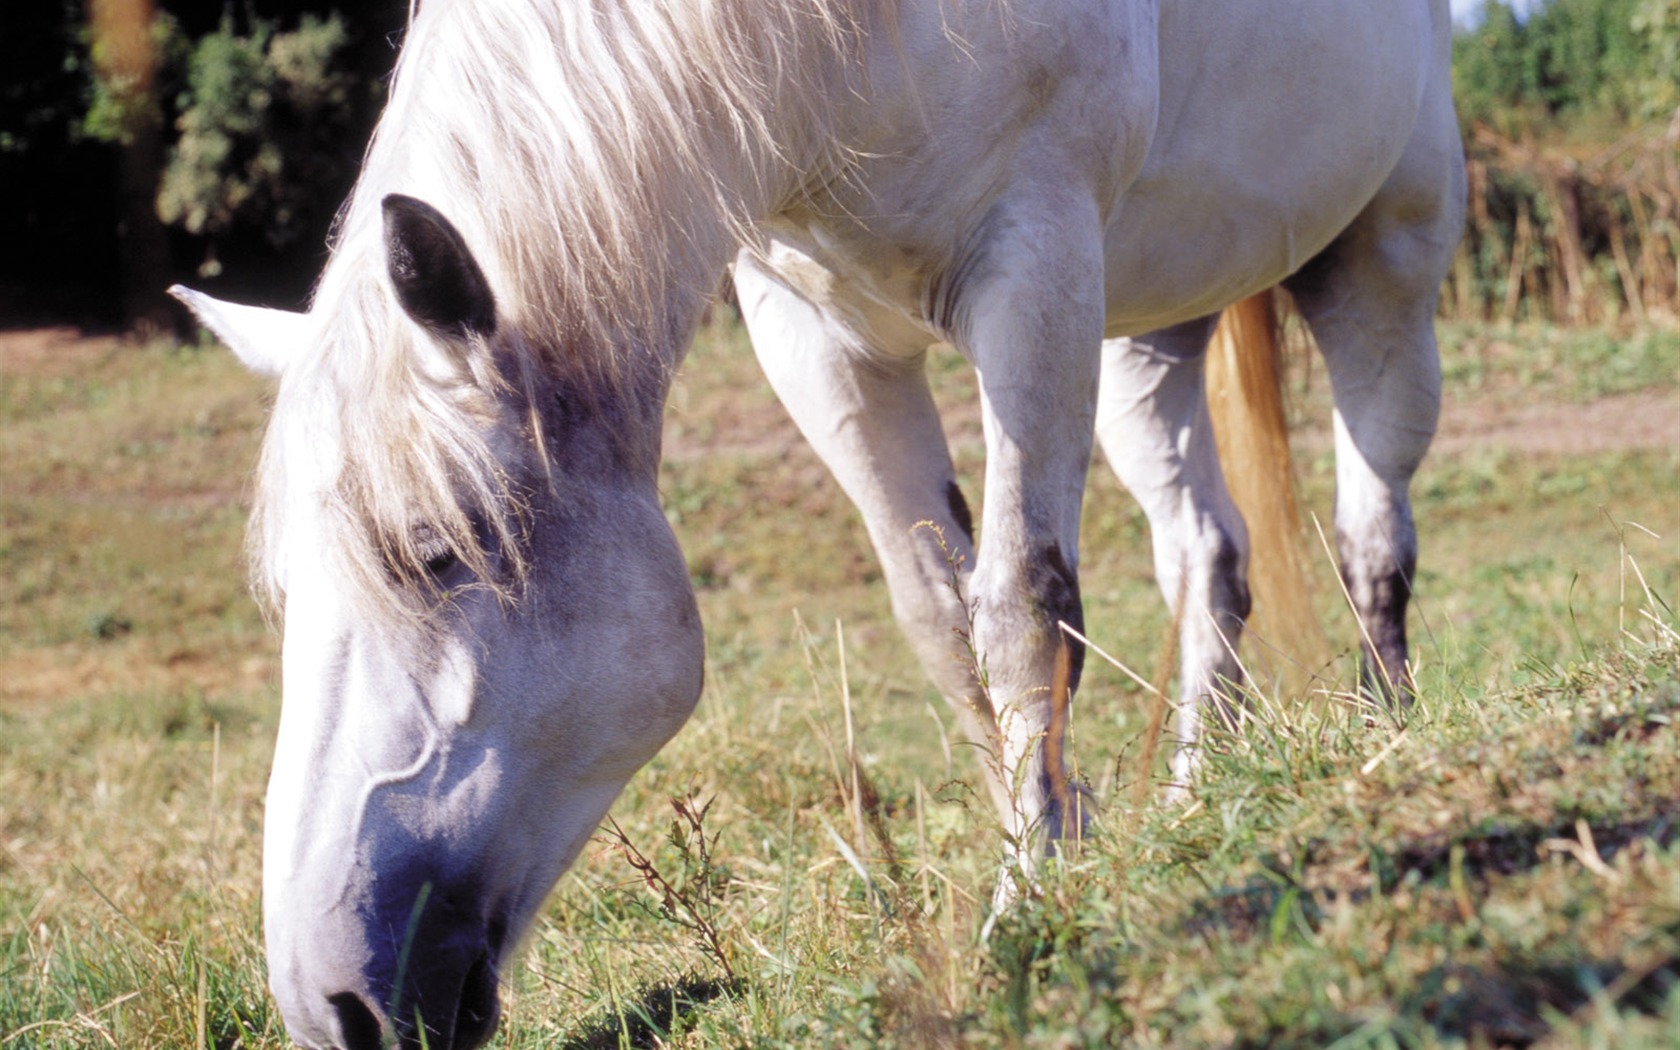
(869, 415)
(1030, 319)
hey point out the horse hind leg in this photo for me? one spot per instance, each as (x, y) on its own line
(1152, 423)
(1387, 386)
(1370, 300)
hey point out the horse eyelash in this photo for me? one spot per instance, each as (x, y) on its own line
(441, 562)
(436, 553)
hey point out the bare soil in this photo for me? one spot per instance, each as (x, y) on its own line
(1501, 418)
(53, 352)
(1636, 422)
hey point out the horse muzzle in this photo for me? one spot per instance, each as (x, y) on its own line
(424, 975)
(455, 1013)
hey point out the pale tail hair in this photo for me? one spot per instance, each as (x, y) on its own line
(1245, 386)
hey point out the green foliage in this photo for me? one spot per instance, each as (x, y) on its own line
(1566, 118)
(1658, 22)
(117, 105)
(261, 125)
(1572, 61)
(1492, 69)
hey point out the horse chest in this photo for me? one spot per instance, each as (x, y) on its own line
(874, 288)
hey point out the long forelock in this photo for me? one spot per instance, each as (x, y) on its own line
(397, 459)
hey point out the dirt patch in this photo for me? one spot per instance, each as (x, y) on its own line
(37, 676)
(1648, 421)
(755, 427)
(54, 352)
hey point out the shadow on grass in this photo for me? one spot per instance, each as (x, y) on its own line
(1513, 1001)
(647, 1022)
(1510, 849)
(1495, 849)
(1515, 1004)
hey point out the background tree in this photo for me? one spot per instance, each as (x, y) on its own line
(217, 144)
(1574, 67)
(58, 183)
(1572, 123)
(264, 120)
(237, 155)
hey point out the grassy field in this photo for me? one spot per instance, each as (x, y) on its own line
(1502, 870)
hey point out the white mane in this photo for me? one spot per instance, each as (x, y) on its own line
(600, 158)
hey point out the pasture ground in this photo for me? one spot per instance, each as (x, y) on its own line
(1501, 870)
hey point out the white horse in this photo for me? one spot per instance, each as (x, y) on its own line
(488, 625)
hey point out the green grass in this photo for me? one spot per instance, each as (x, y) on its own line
(1504, 871)
(1543, 362)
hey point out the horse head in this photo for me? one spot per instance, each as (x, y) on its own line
(488, 627)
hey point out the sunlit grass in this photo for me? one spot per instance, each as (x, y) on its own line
(1502, 868)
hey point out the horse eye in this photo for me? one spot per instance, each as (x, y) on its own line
(436, 553)
(441, 562)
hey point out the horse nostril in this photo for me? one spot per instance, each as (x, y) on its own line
(479, 1010)
(358, 1025)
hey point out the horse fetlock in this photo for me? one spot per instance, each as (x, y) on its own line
(1378, 579)
(1054, 585)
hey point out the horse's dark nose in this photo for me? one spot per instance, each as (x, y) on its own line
(359, 1027)
(475, 1018)
(457, 1012)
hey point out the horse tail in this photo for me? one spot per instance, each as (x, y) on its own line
(1245, 402)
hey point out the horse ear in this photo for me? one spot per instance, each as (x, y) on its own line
(436, 277)
(262, 338)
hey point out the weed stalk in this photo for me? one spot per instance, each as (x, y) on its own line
(691, 902)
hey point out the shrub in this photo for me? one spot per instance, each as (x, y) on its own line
(262, 121)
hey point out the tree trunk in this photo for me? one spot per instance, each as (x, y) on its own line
(126, 60)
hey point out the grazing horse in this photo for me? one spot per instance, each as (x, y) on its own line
(488, 624)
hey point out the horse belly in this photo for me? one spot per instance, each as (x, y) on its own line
(1278, 125)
